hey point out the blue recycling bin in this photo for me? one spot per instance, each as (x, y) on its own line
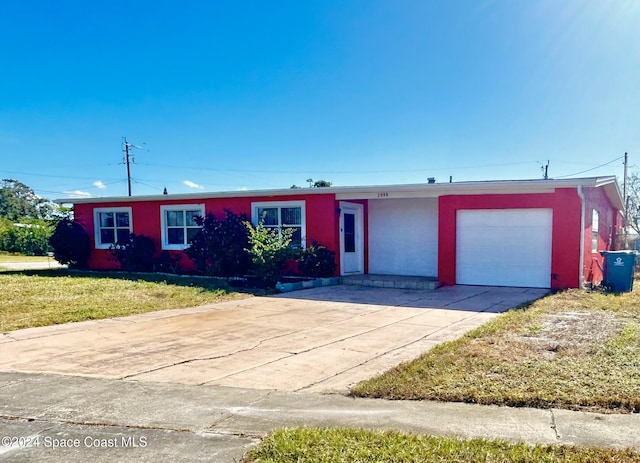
(618, 270)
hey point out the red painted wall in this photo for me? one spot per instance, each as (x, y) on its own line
(608, 226)
(322, 221)
(565, 250)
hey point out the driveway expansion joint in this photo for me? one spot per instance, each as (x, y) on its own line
(554, 425)
(94, 424)
(213, 427)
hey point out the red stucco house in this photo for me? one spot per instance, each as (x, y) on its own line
(528, 233)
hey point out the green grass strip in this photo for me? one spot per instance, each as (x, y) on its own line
(314, 445)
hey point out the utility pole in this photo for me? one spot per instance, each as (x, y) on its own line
(624, 181)
(128, 159)
(545, 171)
(626, 200)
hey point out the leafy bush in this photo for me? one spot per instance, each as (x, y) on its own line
(269, 250)
(317, 261)
(30, 237)
(220, 248)
(135, 254)
(70, 244)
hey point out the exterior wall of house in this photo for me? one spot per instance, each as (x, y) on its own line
(608, 226)
(565, 250)
(322, 219)
(320, 212)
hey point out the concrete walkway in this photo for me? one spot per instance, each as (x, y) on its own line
(110, 420)
(316, 340)
(51, 263)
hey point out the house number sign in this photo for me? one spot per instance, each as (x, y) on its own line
(383, 194)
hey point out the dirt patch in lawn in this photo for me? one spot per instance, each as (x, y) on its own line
(552, 335)
(570, 333)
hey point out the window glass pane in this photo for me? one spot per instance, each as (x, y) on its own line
(291, 216)
(296, 238)
(122, 234)
(191, 215)
(107, 236)
(191, 233)
(122, 219)
(175, 236)
(595, 228)
(106, 219)
(269, 215)
(349, 233)
(175, 218)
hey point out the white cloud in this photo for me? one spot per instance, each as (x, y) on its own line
(99, 184)
(191, 184)
(77, 194)
(243, 188)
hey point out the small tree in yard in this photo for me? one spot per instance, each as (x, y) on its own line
(70, 244)
(269, 249)
(220, 248)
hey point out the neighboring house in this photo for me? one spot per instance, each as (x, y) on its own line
(529, 233)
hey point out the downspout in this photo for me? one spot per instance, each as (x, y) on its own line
(582, 212)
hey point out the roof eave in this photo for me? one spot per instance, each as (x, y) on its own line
(371, 191)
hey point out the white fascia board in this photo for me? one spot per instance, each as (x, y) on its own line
(421, 190)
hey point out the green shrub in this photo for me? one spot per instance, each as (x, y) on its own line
(317, 261)
(269, 250)
(70, 243)
(29, 237)
(220, 248)
(135, 254)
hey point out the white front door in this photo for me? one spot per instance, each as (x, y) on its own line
(351, 238)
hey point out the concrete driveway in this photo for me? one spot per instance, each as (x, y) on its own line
(322, 339)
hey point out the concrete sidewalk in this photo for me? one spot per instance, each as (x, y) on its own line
(112, 420)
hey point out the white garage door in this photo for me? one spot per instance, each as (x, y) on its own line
(403, 237)
(504, 247)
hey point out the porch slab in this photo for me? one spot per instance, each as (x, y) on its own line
(391, 281)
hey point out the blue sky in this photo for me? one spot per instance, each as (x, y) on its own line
(228, 95)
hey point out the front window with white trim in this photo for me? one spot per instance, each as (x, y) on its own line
(112, 225)
(279, 215)
(179, 226)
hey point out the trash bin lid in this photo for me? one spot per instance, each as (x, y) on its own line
(625, 252)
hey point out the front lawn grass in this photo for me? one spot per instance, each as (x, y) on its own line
(572, 350)
(49, 297)
(313, 445)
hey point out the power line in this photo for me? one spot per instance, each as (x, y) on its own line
(47, 175)
(357, 171)
(83, 187)
(589, 170)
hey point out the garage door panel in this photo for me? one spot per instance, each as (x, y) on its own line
(403, 236)
(507, 247)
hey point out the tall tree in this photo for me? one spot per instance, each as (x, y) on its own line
(633, 202)
(18, 201)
